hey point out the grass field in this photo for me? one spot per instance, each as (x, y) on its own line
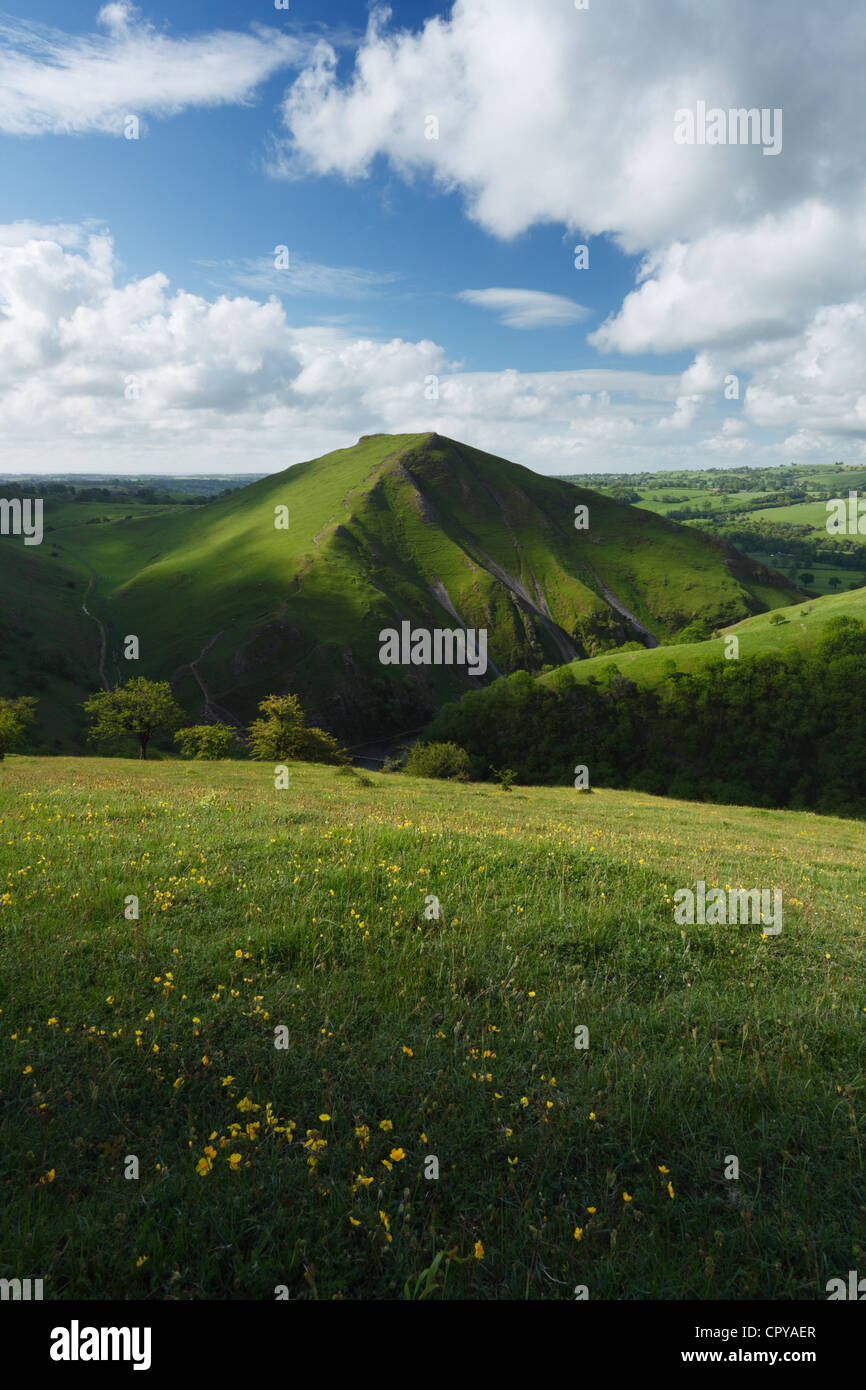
(411, 1036)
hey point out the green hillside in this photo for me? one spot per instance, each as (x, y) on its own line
(804, 623)
(398, 527)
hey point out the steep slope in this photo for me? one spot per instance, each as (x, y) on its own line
(398, 527)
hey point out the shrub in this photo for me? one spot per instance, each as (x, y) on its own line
(282, 735)
(354, 775)
(443, 760)
(207, 741)
(15, 715)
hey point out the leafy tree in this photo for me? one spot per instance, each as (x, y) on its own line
(806, 578)
(135, 710)
(834, 581)
(208, 741)
(15, 715)
(282, 735)
(777, 619)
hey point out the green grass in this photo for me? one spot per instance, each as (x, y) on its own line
(306, 908)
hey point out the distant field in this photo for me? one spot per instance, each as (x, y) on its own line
(412, 1037)
(812, 514)
(660, 500)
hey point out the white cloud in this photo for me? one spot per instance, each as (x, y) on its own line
(55, 82)
(548, 114)
(527, 308)
(102, 373)
(734, 285)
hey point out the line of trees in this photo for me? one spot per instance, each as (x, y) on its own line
(142, 708)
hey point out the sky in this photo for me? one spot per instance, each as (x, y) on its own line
(234, 236)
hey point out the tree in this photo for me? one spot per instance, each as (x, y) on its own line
(208, 741)
(834, 581)
(135, 710)
(806, 578)
(282, 735)
(15, 715)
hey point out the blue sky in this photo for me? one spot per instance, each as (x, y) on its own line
(127, 266)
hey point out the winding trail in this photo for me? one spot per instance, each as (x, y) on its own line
(103, 634)
(212, 711)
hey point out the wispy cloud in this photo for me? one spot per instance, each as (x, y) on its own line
(263, 275)
(527, 308)
(59, 83)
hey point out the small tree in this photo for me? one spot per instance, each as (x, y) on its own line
(834, 581)
(807, 578)
(135, 710)
(208, 741)
(15, 715)
(282, 735)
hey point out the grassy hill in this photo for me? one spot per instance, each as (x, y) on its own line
(804, 623)
(414, 527)
(411, 1036)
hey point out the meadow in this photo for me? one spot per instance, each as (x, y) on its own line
(413, 1036)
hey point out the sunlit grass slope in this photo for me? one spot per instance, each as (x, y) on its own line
(804, 623)
(413, 1037)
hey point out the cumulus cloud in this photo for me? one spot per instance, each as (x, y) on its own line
(61, 83)
(735, 285)
(108, 373)
(548, 114)
(527, 308)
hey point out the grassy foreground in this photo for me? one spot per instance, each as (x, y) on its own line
(411, 1036)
